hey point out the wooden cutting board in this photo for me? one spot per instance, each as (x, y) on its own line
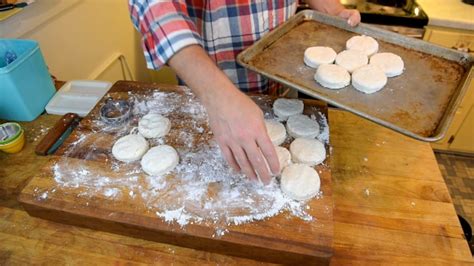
(282, 238)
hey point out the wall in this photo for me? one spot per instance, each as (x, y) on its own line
(86, 40)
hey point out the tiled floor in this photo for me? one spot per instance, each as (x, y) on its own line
(458, 172)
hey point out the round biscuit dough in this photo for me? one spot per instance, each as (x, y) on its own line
(130, 148)
(154, 126)
(284, 157)
(351, 59)
(318, 55)
(301, 126)
(369, 79)
(284, 108)
(160, 160)
(300, 182)
(390, 63)
(332, 76)
(363, 43)
(308, 151)
(276, 131)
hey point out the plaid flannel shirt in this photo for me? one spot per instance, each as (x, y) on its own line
(222, 27)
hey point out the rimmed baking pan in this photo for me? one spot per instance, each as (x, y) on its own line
(420, 103)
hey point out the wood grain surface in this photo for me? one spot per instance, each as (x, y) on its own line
(393, 208)
(283, 238)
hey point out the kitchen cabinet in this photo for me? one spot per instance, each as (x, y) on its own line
(460, 135)
(464, 140)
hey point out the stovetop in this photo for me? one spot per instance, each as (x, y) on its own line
(388, 12)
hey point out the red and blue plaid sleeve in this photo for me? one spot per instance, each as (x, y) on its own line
(165, 27)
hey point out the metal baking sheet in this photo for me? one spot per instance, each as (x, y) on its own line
(420, 103)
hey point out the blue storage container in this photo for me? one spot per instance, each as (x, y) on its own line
(25, 83)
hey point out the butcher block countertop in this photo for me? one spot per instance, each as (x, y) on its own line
(391, 206)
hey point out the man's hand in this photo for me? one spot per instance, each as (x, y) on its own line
(352, 16)
(334, 7)
(238, 125)
(236, 121)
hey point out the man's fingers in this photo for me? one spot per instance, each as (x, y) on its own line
(269, 152)
(352, 16)
(229, 157)
(243, 162)
(258, 162)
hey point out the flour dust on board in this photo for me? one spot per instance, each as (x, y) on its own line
(202, 189)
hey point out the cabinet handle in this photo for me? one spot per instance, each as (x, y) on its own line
(462, 49)
(451, 139)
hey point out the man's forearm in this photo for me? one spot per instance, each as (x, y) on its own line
(201, 74)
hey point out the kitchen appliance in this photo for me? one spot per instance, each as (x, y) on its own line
(386, 12)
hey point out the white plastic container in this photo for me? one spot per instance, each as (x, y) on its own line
(78, 96)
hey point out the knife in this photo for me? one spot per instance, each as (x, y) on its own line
(58, 134)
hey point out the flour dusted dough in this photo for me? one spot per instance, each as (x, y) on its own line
(390, 63)
(363, 43)
(160, 160)
(154, 126)
(301, 126)
(318, 55)
(369, 79)
(284, 157)
(276, 131)
(300, 182)
(332, 76)
(129, 148)
(351, 59)
(308, 151)
(284, 108)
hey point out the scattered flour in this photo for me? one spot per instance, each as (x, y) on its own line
(201, 189)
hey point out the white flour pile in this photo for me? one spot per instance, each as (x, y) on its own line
(202, 188)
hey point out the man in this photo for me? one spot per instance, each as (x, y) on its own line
(200, 40)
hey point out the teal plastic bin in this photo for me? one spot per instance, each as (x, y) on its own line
(25, 84)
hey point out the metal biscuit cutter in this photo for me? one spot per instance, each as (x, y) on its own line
(116, 112)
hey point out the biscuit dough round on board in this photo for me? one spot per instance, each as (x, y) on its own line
(369, 79)
(284, 157)
(318, 55)
(363, 43)
(300, 182)
(154, 126)
(351, 59)
(390, 63)
(332, 76)
(160, 160)
(276, 131)
(130, 148)
(284, 108)
(301, 126)
(308, 151)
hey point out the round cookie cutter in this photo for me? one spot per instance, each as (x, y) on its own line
(116, 112)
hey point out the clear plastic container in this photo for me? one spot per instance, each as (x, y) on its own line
(25, 83)
(78, 96)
